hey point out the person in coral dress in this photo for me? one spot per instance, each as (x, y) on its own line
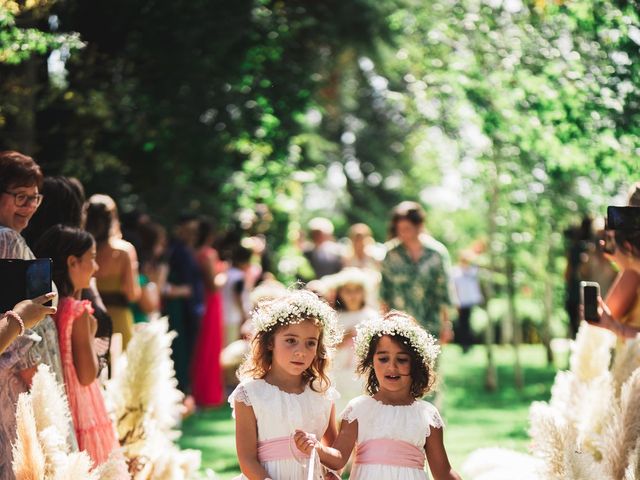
(73, 252)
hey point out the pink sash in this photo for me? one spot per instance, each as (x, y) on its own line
(384, 451)
(281, 448)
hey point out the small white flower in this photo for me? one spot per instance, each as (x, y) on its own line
(296, 307)
(421, 341)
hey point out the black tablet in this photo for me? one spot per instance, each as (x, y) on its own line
(22, 280)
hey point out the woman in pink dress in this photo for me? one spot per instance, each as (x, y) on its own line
(73, 252)
(207, 386)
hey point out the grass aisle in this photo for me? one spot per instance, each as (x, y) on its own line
(474, 418)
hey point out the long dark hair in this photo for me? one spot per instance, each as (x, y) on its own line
(59, 243)
(62, 204)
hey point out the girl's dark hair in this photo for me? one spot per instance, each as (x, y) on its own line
(63, 203)
(18, 170)
(150, 234)
(411, 211)
(628, 242)
(59, 243)
(206, 228)
(422, 379)
(240, 255)
(99, 221)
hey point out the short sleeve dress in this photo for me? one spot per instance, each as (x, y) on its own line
(411, 424)
(279, 414)
(94, 430)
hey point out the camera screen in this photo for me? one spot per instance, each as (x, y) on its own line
(38, 278)
(623, 218)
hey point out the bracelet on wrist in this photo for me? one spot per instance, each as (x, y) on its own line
(13, 315)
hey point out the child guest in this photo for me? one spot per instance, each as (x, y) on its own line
(285, 387)
(73, 252)
(392, 430)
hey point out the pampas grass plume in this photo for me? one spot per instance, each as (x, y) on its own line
(115, 468)
(632, 471)
(147, 405)
(50, 407)
(550, 439)
(623, 429)
(626, 361)
(28, 458)
(77, 465)
(591, 352)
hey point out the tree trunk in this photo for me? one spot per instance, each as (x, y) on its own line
(548, 304)
(491, 377)
(513, 318)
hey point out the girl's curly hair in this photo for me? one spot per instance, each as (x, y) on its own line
(259, 360)
(422, 377)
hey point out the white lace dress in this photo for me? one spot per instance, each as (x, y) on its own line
(343, 374)
(410, 423)
(280, 413)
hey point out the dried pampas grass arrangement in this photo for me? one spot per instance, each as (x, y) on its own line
(590, 428)
(633, 468)
(28, 457)
(591, 352)
(623, 430)
(147, 406)
(41, 451)
(626, 361)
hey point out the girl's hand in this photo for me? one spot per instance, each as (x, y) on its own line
(305, 442)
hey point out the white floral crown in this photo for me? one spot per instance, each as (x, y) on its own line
(421, 341)
(352, 275)
(295, 307)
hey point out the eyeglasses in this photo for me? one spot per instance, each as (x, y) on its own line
(22, 199)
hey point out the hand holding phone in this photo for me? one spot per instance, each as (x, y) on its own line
(589, 293)
(24, 279)
(33, 311)
(608, 242)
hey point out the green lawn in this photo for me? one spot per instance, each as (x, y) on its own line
(475, 418)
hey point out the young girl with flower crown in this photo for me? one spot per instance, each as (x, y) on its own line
(351, 286)
(393, 431)
(284, 387)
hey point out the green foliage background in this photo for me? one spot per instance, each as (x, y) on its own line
(525, 112)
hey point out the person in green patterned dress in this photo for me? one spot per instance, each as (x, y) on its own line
(416, 272)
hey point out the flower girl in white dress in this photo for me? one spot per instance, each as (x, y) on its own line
(284, 387)
(393, 431)
(351, 286)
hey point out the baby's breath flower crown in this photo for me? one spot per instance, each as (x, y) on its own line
(421, 341)
(295, 307)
